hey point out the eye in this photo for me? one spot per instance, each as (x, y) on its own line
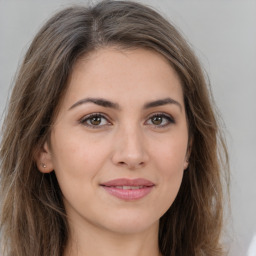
(95, 120)
(160, 120)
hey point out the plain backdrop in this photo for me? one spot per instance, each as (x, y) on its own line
(223, 35)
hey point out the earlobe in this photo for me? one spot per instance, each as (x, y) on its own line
(189, 149)
(44, 159)
(186, 164)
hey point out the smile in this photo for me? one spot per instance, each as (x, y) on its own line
(127, 189)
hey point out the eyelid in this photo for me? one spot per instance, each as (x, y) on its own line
(169, 117)
(95, 114)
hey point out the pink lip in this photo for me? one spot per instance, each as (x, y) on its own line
(128, 182)
(113, 188)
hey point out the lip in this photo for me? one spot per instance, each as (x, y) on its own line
(119, 188)
(128, 182)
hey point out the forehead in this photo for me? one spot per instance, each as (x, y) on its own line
(115, 73)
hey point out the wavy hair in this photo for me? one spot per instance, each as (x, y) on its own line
(33, 220)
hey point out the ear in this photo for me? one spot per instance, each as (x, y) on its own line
(186, 161)
(43, 159)
(185, 166)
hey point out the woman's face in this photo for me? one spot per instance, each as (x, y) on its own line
(119, 142)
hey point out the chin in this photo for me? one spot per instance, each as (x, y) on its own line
(131, 224)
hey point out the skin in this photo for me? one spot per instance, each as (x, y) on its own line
(126, 143)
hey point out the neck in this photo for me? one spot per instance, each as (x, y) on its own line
(91, 240)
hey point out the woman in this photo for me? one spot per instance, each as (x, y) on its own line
(110, 145)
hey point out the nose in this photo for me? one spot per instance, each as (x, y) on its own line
(130, 149)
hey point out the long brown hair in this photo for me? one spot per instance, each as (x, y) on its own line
(33, 220)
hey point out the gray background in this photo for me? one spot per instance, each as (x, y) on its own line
(223, 34)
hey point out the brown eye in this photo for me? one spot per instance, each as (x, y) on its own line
(95, 120)
(160, 120)
(157, 120)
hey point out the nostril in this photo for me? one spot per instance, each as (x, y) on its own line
(131, 165)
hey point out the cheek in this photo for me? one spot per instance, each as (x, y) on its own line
(169, 158)
(76, 152)
(171, 169)
(77, 163)
(170, 154)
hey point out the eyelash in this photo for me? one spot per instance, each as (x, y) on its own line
(87, 118)
(170, 119)
(84, 121)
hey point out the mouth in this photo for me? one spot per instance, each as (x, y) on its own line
(128, 189)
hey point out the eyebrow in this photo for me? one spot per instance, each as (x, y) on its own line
(97, 101)
(109, 104)
(162, 102)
